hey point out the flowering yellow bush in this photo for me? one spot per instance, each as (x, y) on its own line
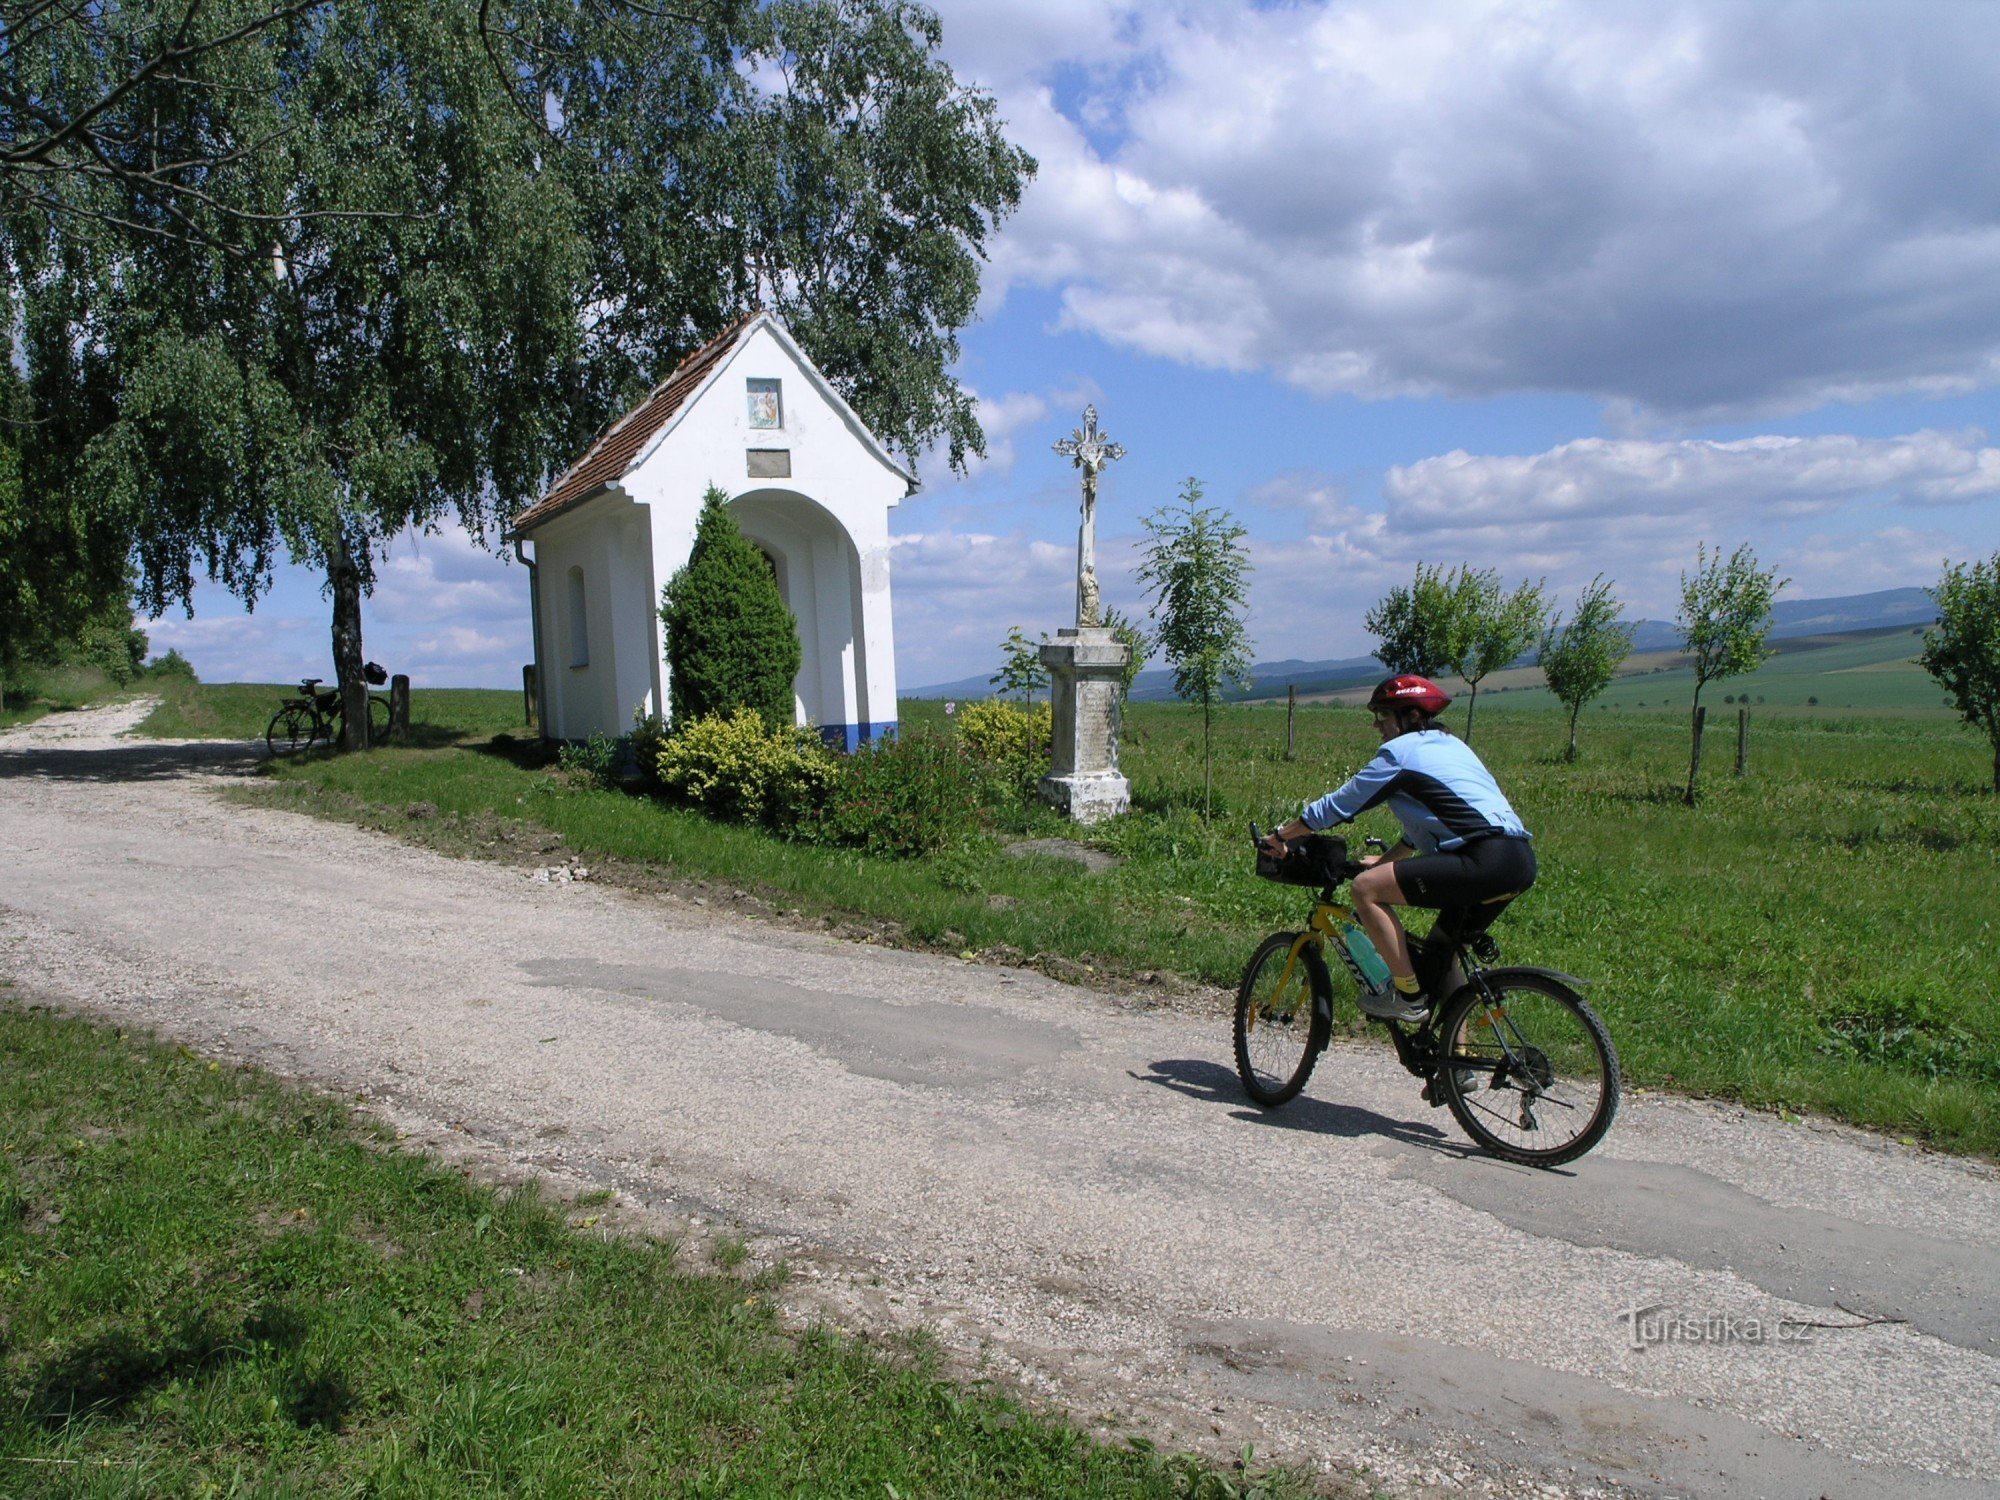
(738, 768)
(997, 732)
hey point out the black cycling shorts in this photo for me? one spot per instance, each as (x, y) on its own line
(1489, 870)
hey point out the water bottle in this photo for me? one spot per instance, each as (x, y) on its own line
(1374, 972)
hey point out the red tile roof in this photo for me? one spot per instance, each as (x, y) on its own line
(611, 456)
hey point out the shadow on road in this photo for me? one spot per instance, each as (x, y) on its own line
(159, 760)
(1215, 1084)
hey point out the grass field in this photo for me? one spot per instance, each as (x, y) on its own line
(210, 1285)
(1816, 935)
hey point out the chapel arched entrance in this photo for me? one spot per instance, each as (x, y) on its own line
(819, 577)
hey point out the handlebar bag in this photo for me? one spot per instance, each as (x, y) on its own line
(1317, 859)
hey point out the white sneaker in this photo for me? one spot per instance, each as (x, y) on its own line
(1393, 1005)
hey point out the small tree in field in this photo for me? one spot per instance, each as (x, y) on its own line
(731, 643)
(1126, 631)
(1422, 628)
(1196, 573)
(1579, 659)
(1962, 651)
(1021, 668)
(1495, 627)
(1724, 617)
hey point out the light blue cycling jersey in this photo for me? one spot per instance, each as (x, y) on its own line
(1440, 792)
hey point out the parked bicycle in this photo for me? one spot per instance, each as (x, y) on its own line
(1525, 1066)
(317, 715)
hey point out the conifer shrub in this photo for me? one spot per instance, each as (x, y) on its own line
(730, 642)
(737, 768)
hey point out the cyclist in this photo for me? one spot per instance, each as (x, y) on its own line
(1463, 845)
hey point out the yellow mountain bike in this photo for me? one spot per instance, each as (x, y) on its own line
(1524, 1065)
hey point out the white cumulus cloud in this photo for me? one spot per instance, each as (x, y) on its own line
(1687, 210)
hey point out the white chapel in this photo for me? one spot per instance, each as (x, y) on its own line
(807, 483)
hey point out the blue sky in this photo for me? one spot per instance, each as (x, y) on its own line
(1553, 288)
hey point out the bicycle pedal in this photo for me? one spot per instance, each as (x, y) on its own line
(1433, 1095)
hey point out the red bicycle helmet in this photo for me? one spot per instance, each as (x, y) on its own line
(1407, 690)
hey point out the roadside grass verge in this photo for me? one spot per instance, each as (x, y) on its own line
(34, 691)
(190, 710)
(213, 1284)
(1817, 935)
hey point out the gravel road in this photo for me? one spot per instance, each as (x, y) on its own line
(1070, 1190)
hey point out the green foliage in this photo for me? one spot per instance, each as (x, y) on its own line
(996, 731)
(593, 761)
(1725, 614)
(361, 279)
(915, 794)
(1021, 668)
(741, 768)
(1424, 627)
(1579, 658)
(1461, 622)
(1498, 627)
(171, 666)
(62, 560)
(1196, 572)
(730, 642)
(1013, 742)
(1962, 650)
(1128, 633)
(1724, 617)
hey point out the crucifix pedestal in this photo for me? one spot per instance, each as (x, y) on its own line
(1084, 781)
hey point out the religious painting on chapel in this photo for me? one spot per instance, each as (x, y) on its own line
(767, 404)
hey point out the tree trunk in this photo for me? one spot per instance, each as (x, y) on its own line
(1574, 709)
(1207, 765)
(1291, 716)
(344, 580)
(1742, 741)
(1471, 707)
(1996, 766)
(1694, 761)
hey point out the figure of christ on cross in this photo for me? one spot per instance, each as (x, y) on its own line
(1090, 450)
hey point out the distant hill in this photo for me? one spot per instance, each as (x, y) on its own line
(1790, 618)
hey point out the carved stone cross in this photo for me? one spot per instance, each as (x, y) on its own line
(1090, 450)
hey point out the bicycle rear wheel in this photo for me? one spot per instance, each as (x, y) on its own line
(290, 729)
(1531, 1076)
(1282, 1011)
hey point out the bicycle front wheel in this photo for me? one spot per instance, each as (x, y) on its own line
(1530, 1074)
(1282, 1008)
(290, 729)
(378, 719)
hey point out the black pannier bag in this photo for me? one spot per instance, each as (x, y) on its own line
(1317, 859)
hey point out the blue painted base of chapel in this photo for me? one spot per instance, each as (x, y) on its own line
(851, 737)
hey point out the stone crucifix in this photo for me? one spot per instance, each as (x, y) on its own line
(1090, 450)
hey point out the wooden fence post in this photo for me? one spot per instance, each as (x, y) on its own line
(399, 708)
(1291, 713)
(528, 694)
(1742, 740)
